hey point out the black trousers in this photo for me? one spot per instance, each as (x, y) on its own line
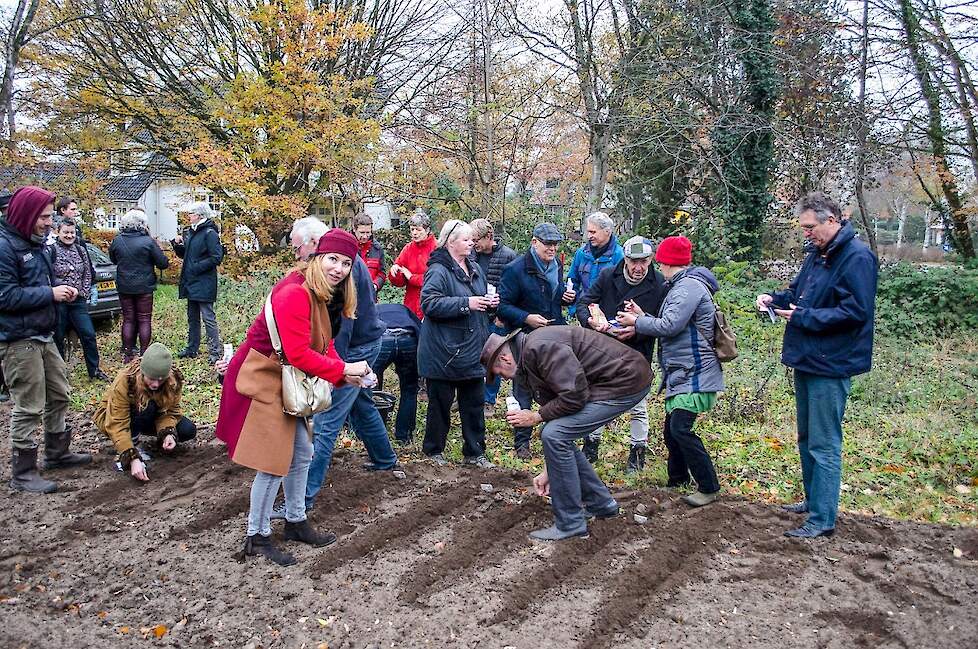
(144, 423)
(687, 455)
(439, 418)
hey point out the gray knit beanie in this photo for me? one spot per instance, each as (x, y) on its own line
(156, 362)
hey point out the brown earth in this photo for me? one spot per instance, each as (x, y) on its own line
(433, 560)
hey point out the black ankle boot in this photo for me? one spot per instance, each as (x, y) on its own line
(304, 533)
(636, 459)
(56, 453)
(26, 478)
(262, 545)
(590, 449)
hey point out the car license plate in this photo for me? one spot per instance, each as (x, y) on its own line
(106, 286)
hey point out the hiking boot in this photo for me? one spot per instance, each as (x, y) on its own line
(796, 508)
(278, 511)
(636, 459)
(438, 459)
(608, 511)
(186, 353)
(262, 545)
(523, 452)
(25, 475)
(806, 531)
(590, 449)
(698, 498)
(99, 376)
(480, 461)
(553, 534)
(57, 455)
(303, 532)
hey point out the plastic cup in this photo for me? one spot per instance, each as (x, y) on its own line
(512, 405)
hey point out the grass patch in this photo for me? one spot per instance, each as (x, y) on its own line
(911, 426)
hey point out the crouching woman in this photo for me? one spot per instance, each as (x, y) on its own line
(308, 305)
(144, 401)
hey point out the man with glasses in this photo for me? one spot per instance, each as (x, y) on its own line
(828, 339)
(532, 295)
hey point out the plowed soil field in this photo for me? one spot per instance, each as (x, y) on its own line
(437, 559)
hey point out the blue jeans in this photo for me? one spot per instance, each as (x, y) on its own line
(265, 487)
(820, 403)
(74, 315)
(401, 350)
(573, 483)
(357, 404)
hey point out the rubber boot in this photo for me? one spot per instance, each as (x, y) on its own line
(590, 449)
(26, 477)
(304, 533)
(262, 545)
(56, 453)
(636, 459)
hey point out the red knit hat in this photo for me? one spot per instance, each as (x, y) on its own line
(675, 251)
(25, 208)
(338, 241)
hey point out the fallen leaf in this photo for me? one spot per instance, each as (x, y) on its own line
(322, 645)
(124, 629)
(440, 547)
(102, 614)
(159, 630)
(957, 553)
(894, 468)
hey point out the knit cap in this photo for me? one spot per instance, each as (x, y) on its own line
(675, 251)
(156, 362)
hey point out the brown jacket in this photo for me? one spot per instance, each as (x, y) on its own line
(112, 414)
(567, 367)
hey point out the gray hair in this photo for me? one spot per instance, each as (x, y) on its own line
(134, 221)
(602, 220)
(480, 228)
(821, 204)
(201, 208)
(452, 230)
(308, 229)
(419, 218)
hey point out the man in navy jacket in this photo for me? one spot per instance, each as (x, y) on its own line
(532, 294)
(829, 308)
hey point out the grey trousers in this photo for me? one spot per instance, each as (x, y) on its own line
(205, 310)
(639, 426)
(573, 483)
(38, 381)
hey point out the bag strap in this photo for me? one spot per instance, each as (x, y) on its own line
(273, 330)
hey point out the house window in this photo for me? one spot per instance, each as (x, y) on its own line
(552, 183)
(325, 214)
(215, 202)
(110, 218)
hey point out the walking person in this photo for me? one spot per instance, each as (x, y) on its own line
(409, 267)
(200, 248)
(73, 267)
(136, 256)
(32, 367)
(532, 295)
(582, 379)
(251, 421)
(632, 280)
(453, 331)
(829, 308)
(691, 371)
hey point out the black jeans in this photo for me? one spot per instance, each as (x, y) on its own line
(687, 455)
(521, 436)
(402, 351)
(144, 423)
(74, 315)
(440, 396)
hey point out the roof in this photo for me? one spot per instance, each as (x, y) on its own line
(127, 187)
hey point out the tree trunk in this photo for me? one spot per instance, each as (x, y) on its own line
(958, 217)
(862, 133)
(901, 225)
(16, 39)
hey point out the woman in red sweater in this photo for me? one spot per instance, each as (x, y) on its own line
(409, 267)
(308, 305)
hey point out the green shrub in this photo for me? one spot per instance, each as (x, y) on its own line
(921, 302)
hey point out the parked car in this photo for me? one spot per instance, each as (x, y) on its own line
(108, 297)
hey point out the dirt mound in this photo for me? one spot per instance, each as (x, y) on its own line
(439, 559)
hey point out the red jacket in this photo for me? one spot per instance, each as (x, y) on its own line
(373, 255)
(290, 303)
(414, 257)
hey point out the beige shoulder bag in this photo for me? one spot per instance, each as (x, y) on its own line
(302, 395)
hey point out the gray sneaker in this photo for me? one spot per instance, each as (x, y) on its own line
(438, 459)
(480, 461)
(278, 511)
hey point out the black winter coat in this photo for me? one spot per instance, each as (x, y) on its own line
(494, 262)
(610, 292)
(27, 306)
(136, 256)
(201, 252)
(452, 335)
(524, 290)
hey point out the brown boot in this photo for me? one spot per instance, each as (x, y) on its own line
(304, 533)
(26, 477)
(57, 455)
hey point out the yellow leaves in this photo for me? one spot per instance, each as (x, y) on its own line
(157, 631)
(123, 630)
(893, 468)
(773, 443)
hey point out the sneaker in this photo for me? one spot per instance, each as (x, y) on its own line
(699, 499)
(278, 511)
(370, 466)
(480, 461)
(553, 534)
(808, 532)
(438, 459)
(523, 453)
(796, 508)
